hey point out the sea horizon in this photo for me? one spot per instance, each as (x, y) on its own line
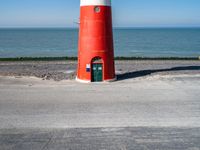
(115, 27)
(138, 42)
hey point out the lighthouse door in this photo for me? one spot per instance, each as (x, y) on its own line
(97, 72)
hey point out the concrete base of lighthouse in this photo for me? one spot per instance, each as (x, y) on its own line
(89, 81)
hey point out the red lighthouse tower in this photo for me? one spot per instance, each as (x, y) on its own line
(96, 52)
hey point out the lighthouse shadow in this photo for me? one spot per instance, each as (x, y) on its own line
(142, 73)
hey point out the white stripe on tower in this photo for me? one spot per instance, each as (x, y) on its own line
(95, 2)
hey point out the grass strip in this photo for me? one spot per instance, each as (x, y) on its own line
(75, 58)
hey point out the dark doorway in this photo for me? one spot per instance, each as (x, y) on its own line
(97, 70)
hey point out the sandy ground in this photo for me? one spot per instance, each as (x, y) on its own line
(153, 105)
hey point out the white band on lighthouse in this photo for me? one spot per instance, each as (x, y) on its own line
(95, 2)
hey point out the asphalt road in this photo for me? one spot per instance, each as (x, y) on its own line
(131, 138)
(155, 112)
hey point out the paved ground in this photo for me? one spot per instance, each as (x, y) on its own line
(154, 112)
(131, 138)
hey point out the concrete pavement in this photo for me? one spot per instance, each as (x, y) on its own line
(153, 112)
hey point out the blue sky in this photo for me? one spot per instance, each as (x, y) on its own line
(126, 13)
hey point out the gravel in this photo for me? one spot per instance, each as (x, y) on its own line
(66, 70)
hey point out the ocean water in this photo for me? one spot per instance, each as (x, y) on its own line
(136, 42)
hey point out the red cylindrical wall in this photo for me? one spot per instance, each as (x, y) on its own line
(95, 39)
